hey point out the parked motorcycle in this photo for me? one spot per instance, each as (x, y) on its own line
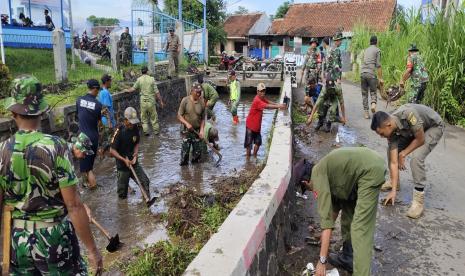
(230, 62)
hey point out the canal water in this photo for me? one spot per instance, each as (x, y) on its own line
(159, 156)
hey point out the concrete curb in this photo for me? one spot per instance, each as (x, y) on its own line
(231, 251)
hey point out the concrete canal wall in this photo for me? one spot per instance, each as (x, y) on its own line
(59, 121)
(253, 237)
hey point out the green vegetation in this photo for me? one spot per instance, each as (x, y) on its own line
(298, 116)
(441, 43)
(102, 21)
(282, 10)
(241, 10)
(5, 80)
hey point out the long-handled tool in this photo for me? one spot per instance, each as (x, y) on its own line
(114, 242)
(6, 238)
(148, 201)
(211, 147)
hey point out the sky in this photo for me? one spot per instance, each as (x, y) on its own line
(121, 9)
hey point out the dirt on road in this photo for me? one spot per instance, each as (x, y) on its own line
(431, 245)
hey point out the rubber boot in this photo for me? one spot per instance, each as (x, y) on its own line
(387, 186)
(235, 120)
(328, 126)
(416, 209)
(366, 115)
(319, 124)
(343, 259)
(373, 107)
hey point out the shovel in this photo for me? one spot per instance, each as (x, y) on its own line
(114, 243)
(148, 201)
(212, 148)
(6, 238)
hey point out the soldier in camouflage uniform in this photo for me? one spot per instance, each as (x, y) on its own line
(126, 46)
(333, 62)
(210, 96)
(312, 61)
(81, 146)
(191, 114)
(328, 100)
(416, 71)
(37, 180)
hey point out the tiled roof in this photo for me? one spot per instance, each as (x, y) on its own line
(326, 18)
(240, 24)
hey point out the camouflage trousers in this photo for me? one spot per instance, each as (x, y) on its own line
(312, 73)
(190, 140)
(416, 96)
(330, 106)
(126, 55)
(125, 175)
(50, 250)
(233, 107)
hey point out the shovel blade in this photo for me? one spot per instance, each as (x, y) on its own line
(219, 160)
(151, 202)
(114, 244)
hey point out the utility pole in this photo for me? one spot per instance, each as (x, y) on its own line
(71, 30)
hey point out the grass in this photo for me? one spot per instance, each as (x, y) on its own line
(441, 43)
(40, 63)
(298, 116)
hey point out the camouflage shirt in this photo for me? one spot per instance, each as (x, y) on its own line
(312, 59)
(33, 168)
(126, 39)
(330, 95)
(334, 63)
(419, 74)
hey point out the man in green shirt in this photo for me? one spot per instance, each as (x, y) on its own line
(348, 180)
(191, 114)
(234, 95)
(210, 96)
(37, 180)
(413, 129)
(148, 109)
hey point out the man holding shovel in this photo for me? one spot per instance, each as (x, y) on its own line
(125, 147)
(38, 182)
(191, 114)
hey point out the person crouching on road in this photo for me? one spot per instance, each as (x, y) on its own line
(348, 180)
(412, 129)
(329, 100)
(254, 120)
(38, 182)
(80, 146)
(234, 95)
(125, 147)
(191, 114)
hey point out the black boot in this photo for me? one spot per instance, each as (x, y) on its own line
(328, 126)
(319, 124)
(343, 259)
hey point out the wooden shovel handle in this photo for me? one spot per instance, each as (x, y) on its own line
(142, 190)
(6, 239)
(100, 227)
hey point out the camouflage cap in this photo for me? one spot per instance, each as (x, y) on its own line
(338, 36)
(313, 40)
(26, 97)
(413, 48)
(330, 81)
(83, 143)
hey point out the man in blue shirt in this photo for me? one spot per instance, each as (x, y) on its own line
(89, 112)
(106, 100)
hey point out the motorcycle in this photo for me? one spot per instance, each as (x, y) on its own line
(230, 62)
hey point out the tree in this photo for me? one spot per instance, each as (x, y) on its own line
(282, 10)
(241, 10)
(102, 21)
(193, 12)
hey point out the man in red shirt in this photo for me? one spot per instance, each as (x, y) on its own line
(254, 119)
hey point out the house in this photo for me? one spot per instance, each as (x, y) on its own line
(304, 21)
(243, 34)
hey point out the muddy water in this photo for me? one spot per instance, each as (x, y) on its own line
(160, 156)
